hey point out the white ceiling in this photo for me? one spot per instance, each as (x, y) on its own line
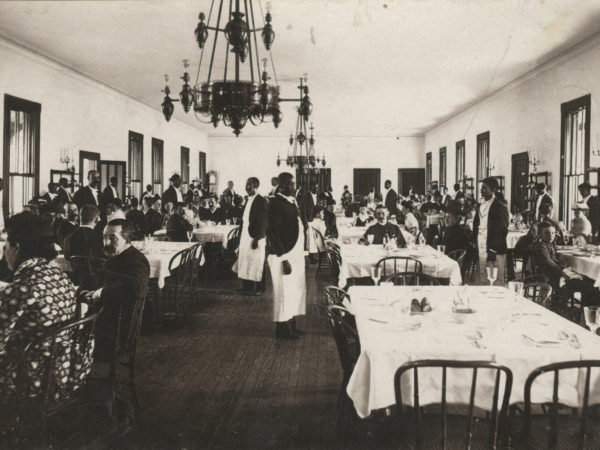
(376, 68)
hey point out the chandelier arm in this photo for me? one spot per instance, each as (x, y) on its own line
(212, 56)
(212, 4)
(199, 119)
(226, 50)
(250, 43)
(255, 41)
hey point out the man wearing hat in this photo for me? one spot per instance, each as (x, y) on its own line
(490, 227)
(585, 189)
(173, 193)
(455, 236)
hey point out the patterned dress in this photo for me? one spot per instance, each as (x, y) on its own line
(40, 297)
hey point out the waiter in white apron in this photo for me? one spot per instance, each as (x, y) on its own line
(286, 259)
(490, 228)
(251, 251)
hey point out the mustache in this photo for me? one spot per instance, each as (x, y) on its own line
(109, 250)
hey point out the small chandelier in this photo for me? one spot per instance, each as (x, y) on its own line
(302, 153)
(232, 100)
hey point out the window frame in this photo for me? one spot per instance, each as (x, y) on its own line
(158, 170)
(138, 138)
(460, 161)
(443, 169)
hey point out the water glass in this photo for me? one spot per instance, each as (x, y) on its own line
(370, 238)
(375, 274)
(228, 221)
(492, 274)
(189, 236)
(441, 249)
(517, 288)
(592, 317)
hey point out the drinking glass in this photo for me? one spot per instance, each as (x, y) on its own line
(228, 221)
(189, 236)
(235, 220)
(492, 274)
(592, 317)
(375, 274)
(441, 249)
(517, 288)
(370, 238)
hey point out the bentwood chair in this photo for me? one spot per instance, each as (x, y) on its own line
(51, 378)
(411, 279)
(178, 283)
(452, 425)
(574, 428)
(398, 264)
(335, 296)
(538, 292)
(322, 251)
(335, 259)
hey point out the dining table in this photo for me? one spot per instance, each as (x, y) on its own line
(358, 259)
(213, 233)
(513, 237)
(583, 261)
(499, 325)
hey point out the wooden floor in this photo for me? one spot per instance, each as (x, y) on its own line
(223, 380)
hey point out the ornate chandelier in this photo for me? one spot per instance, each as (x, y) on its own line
(232, 100)
(302, 153)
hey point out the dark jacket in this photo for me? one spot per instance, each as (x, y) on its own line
(496, 231)
(456, 237)
(237, 213)
(125, 282)
(84, 196)
(379, 231)
(136, 218)
(170, 195)
(258, 219)
(64, 229)
(177, 228)
(283, 231)
(546, 201)
(62, 196)
(547, 262)
(153, 221)
(306, 211)
(108, 196)
(391, 201)
(217, 216)
(84, 241)
(331, 224)
(594, 213)
(351, 209)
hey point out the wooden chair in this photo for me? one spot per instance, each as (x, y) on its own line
(398, 264)
(323, 256)
(538, 291)
(60, 384)
(453, 430)
(577, 429)
(411, 279)
(335, 259)
(87, 271)
(233, 239)
(335, 296)
(177, 285)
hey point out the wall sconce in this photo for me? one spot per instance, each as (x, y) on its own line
(66, 157)
(534, 159)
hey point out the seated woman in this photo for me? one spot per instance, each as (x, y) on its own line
(318, 223)
(579, 237)
(40, 297)
(410, 221)
(363, 217)
(580, 211)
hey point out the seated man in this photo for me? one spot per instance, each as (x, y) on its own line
(524, 245)
(456, 236)
(548, 264)
(546, 210)
(136, 218)
(428, 206)
(126, 276)
(178, 226)
(353, 207)
(235, 213)
(153, 219)
(85, 241)
(330, 222)
(382, 228)
(214, 213)
(363, 217)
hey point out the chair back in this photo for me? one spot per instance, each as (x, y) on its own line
(334, 257)
(551, 432)
(496, 415)
(538, 291)
(411, 279)
(346, 337)
(55, 364)
(233, 239)
(458, 255)
(335, 296)
(87, 271)
(398, 264)
(319, 240)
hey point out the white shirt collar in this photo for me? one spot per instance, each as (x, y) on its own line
(585, 199)
(289, 198)
(91, 227)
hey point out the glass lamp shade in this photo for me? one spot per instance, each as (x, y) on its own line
(236, 33)
(201, 31)
(187, 97)
(167, 107)
(268, 35)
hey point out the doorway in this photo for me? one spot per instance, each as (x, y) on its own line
(365, 180)
(110, 169)
(411, 179)
(322, 177)
(87, 161)
(518, 181)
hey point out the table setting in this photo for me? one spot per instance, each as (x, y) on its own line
(357, 261)
(582, 260)
(213, 232)
(159, 254)
(397, 324)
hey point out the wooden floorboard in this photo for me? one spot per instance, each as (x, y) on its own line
(222, 380)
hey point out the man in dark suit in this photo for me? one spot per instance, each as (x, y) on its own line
(178, 226)
(490, 228)
(251, 256)
(89, 195)
(50, 196)
(149, 192)
(428, 206)
(110, 194)
(286, 259)
(229, 192)
(173, 193)
(213, 212)
(235, 213)
(136, 218)
(383, 230)
(455, 236)
(126, 276)
(85, 241)
(585, 189)
(63, 194)
(390, 198)
(543, 200)
(309, 202)
(153, 219)
(68, 225)
(458, 193)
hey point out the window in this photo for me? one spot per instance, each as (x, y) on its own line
(574, 152)
(428, 169)
(460, 161)
(442, 167)
(21, 153)
(202, 167)
(185, 166)
(483, 157)
(136, 158)
(157, 165)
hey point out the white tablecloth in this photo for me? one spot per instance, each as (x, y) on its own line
(387, 341)
(433, 219)
(347, 234)
(588, 265)
(513, 237)
(357, 261)
(218, 233)
(159, 255)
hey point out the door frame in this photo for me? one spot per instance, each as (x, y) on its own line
(92, 156)
(418, 170)
(123, 164)
(376, 171)
(514, 186)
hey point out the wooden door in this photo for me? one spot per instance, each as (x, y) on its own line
(411, 178)
(518, 181)
(365, 180)
(117, 169)
(87, 161)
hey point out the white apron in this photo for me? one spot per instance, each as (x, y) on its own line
(250, 262)
(289, 291)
